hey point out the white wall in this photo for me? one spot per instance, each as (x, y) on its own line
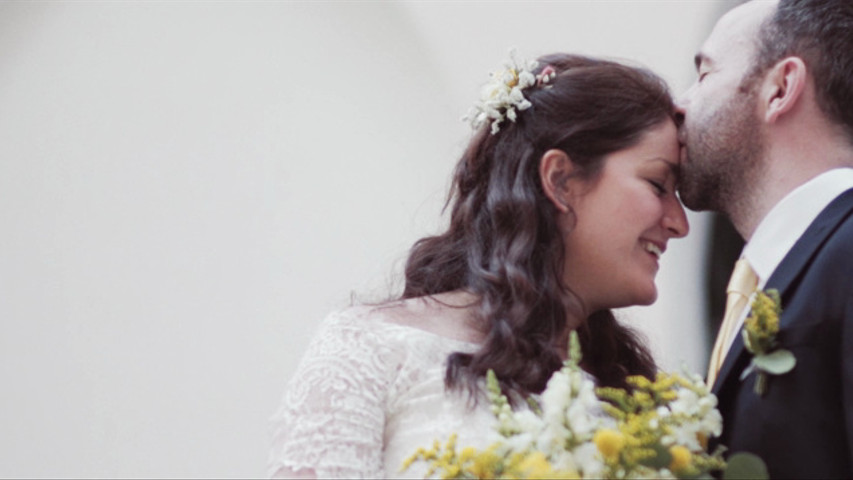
(186, 188)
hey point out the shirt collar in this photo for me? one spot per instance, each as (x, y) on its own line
(789, 219)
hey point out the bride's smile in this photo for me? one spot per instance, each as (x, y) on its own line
(624, 218)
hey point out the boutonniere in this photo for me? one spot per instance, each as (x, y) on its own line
(759, 336)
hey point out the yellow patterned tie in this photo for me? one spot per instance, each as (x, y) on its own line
(741, 285)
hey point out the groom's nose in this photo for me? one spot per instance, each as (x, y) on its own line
(681, 104)
(680, 110)
(679, 116)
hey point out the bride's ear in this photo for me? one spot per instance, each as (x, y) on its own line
(555, 170)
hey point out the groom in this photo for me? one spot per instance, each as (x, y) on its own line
(768, 136)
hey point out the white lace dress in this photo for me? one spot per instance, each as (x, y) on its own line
(366, 395)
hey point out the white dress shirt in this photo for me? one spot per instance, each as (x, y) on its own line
(786, 222)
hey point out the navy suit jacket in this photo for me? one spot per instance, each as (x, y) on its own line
(802, 427)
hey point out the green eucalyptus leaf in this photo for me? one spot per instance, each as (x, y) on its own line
(748, 370)
(747, 340)
(575, 355)
(776, 363)
(662, 458)
(744, 465)
(760, 387)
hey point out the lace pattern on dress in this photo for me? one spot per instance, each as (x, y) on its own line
(333, 412)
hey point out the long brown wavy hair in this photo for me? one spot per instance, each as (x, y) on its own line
(503, 243)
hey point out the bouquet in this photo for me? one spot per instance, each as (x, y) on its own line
(659, 429)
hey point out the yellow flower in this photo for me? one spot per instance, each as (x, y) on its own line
(485, 464)
(535, 465)
(451, 471)
(609, 443)
(762, 324)
(680, 458)
(639, 381)
(467, 454)
(513, 78)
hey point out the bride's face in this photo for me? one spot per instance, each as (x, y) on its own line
(624, 219)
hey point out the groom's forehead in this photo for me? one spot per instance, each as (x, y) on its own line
(736, 34)
(743, 22)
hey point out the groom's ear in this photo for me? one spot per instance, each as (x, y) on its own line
(783, 87)
(555, 171)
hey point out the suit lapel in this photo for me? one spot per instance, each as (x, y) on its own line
(785, 275)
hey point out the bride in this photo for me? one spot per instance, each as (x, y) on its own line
(560, 209)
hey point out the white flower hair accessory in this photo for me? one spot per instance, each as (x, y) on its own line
(502, 97)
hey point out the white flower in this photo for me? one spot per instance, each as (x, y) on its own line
(528, 421)
(687, 403)
(552, 438)
(526, 78)
(645, 472)
(580, 421)
(521, 442)
(589, 459)
(557, 396)
(503, 97)
(712, 423)
(565, 461)
(685, 434)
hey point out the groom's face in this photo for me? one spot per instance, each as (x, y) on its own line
(720, 133)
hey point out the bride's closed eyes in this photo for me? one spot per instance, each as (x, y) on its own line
(662, 175)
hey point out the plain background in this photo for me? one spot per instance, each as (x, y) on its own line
(187, 188)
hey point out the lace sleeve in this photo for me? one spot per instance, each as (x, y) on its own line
(332, 417)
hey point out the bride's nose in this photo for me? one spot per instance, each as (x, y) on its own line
(674, 218)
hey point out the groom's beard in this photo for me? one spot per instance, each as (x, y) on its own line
(724, 155)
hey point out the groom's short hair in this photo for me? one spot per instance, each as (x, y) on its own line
(820, 32)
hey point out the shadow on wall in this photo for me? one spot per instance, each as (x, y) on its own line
(724, 249)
